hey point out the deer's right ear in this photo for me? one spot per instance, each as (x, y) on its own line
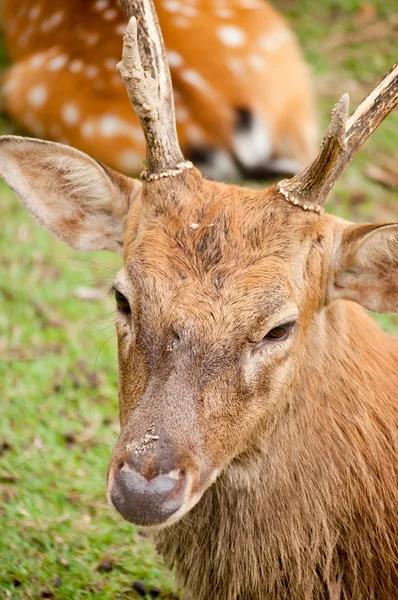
(365, 268)
(76, 199)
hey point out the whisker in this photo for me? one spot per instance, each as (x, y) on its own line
(96, 358)
(99, 332)
(108, 318)
(85, 262)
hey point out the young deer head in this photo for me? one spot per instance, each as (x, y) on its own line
(227, 297)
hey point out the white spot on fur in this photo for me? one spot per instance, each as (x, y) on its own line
(257, 62)
(37, 96)
(57, 63)
(182, 22)
(251, 4)
(91, 38)
(180, 8)
(53, 21)
(116, 80)
(36, 61)
(110, 64)
(110, 14)
(129, 161)
(272, 42)
(111, 125)
(195, 134)
(230, 35)
(137, 135)
(181, 113)
(76, 66)
(196, 80)
(101, 4)
(11, 85)
(188, 11)
(88, 129)
(172, 6)
(70, 114)
(91, 72)
(224, 13)
(34, 12)
(120, 29)
(25, 35)
(175, 59)
(236, 65)
(253, 145)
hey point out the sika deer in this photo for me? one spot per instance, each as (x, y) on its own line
(239, 78)
(258, 401)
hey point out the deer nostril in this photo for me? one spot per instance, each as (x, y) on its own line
(147, 502)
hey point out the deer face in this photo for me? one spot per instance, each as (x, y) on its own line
(214, 302)
(219, 303)
(223, 289)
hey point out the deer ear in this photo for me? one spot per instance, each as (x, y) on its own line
(366, 267)
(76, 199)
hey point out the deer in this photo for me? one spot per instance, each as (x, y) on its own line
(257, 398)
(240, 82)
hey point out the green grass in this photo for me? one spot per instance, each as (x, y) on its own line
(59, 421)
(58, 376)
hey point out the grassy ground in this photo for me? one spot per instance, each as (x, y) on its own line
(58, 424)
(58, 377)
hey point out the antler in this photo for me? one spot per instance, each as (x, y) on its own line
(146, 76)
(344, 138)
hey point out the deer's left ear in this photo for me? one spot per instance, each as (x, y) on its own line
(79, 201)
(365, 267)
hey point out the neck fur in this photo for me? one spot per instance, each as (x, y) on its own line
(309, 511)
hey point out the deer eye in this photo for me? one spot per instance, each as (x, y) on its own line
(122, 303)
(277, 334)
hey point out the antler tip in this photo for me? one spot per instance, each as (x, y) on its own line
(342, 106)
(338, 124)
(131, 26)
(345, 102)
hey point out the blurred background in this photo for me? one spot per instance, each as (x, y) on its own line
(58, 369)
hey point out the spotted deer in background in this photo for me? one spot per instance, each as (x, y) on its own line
(258, 400)
(244, 102)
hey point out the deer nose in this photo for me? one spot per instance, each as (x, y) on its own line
(147, 502)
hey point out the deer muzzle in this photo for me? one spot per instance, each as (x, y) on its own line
(156, 473)
(148, 502)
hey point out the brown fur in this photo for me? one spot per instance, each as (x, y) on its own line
(309, 510)
(306, 504)
(292, 448)
(279, 92)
